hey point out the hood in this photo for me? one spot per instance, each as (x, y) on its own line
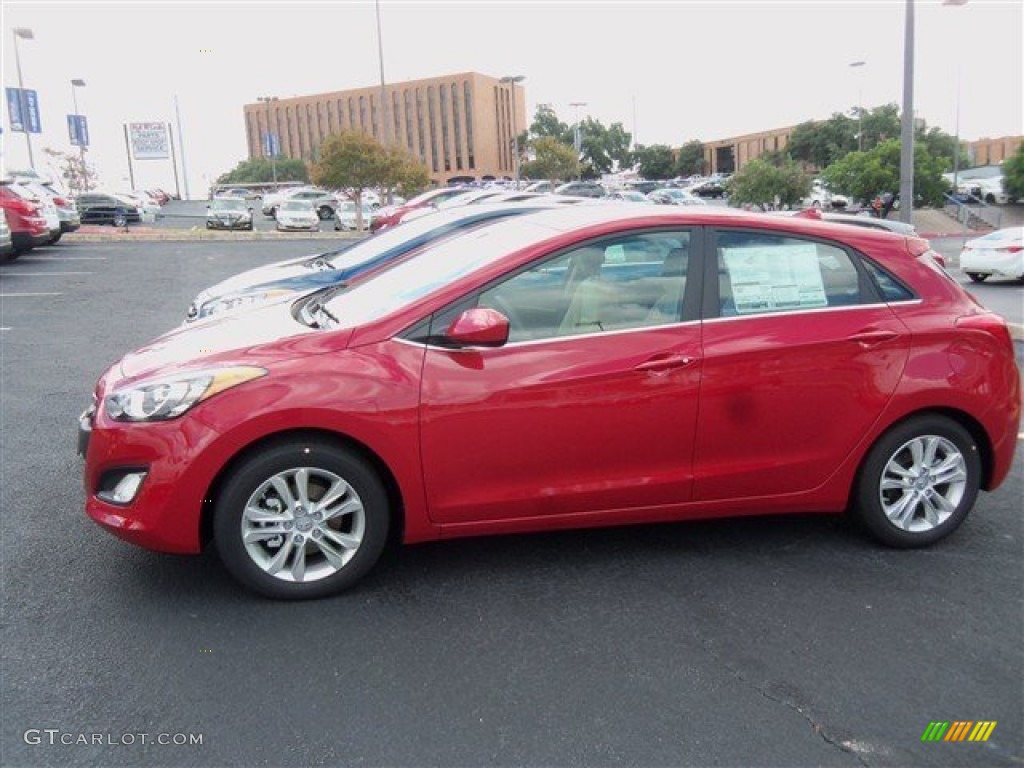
(300, 273)
(266, 332)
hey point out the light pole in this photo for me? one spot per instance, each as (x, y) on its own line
(384, 132)
(907, 121)
(956, 140)
(79, 83)
(270, 138)
(25, 34)
(860, 106)
(512, 80)
(577, 138)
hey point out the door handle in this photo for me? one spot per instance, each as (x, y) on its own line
(665, 363)
(873, 337)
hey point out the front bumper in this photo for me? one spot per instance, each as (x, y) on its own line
(217, 224)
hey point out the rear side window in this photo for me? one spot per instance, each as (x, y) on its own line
(888, 286)
(766, 273)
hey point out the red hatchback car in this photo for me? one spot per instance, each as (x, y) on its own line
(590, 366)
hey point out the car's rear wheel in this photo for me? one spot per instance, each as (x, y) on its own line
(977, 277)
(303, 519)
(325, 212)
(919, 482)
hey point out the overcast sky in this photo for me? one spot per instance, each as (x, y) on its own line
(694, 70)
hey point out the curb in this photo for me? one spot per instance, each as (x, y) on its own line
(188, 235)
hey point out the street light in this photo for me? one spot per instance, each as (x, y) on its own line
(956, 140)
(907, 120)
(860, 106)
(25, 34)
(270, 137)
(512, 80)
(79, 83)
(577, 138)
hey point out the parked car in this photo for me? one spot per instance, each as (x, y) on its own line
(391, 216)
(159, 195)
(713, 188)
(67, 213)
(821, 197)
(863, 219)
(489, 384)
(6, 242)
(346, 265)
(323, 202)
(674, 196)
(103, 208)
(239, 193)
(148, 208)
(32, 191)
(297, 214)
(997, 254)
(29, 227)
(468, 197)
(581, 189)
(345, 217)
(228, 213)
(628, 196)
(539, 186)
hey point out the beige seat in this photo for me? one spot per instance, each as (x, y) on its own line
(673, 282)
(587, 293)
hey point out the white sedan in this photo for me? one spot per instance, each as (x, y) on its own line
(297, 214)
(345, 216)
(999, 253)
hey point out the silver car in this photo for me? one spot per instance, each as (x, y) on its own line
(228, 213)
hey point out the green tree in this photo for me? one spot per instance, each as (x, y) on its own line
(354, 161)
(766, 183)
(690, 159)
(1013, 174)
(76, 172)
(822, 143)
(259, 170)
(554, 160)
(655, 161)
(406, 175)
(603, 149)
(862, 175)
(547, 125)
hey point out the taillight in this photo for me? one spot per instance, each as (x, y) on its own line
(1012, 248)
(987, 322)
(60, 201)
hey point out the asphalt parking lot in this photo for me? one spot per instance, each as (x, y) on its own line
(786, 642)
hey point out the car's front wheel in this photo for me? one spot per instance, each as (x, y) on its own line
(325, 212)
(303, 519)
(977, 277)
(919, 482)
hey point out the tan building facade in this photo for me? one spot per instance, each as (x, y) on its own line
(460, 126)
(993, 151)
(730, 155)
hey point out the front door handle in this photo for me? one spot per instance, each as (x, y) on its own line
(873, 337)
(665, 363)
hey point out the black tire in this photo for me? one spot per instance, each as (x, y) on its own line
(977, 277)
(315, 454)
(120, 220)
(894, 448)
(990, 199)
(325, 212)
(55, 239)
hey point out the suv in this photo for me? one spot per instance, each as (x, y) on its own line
(25, 217)
(581, 189)
(324, 202)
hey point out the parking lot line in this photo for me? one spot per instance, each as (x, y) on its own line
(43, 274)
(62, 258)
(24, 295)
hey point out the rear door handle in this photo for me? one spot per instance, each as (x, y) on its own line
(665, 363)
(873, 337)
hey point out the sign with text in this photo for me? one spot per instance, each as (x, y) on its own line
(149, 141)
(78, 130)
(23, 110)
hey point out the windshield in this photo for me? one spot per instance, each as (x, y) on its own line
(433, 268)
(296, 205)
(227, 205)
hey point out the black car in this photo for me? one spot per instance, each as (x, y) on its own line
(711, 188)
(94, 208)
(228, 213)
(581, 189)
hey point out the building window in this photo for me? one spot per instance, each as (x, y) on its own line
(309, 129)
(408, 120)
(442, 91)
(432, 123)
(497, 122)
(419, 127)
(467, 93)
(396, 118)
(351, 114)
(456, 126)
(362, 114)
(374, 118)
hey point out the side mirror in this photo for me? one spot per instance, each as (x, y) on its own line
(479, 327)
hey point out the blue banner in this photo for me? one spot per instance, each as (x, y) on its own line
(14, 111)
(31, 111)
(78, 130)
(271, 145)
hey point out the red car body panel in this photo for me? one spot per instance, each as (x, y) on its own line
(729, 416)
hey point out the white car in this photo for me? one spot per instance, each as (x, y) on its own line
(148, 207)
(991, 190)
(674, 196)
(345, 216)
(824, 198)
(297, 214)
(36, 193)
(999, 253)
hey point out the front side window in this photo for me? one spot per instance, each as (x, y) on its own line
(628, 282)
(765, 273)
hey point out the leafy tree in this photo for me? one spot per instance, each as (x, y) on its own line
(76, 172)
(260, 170)
(765, 183)
(554, 160)
(547, 125)
(863, 175)
(878, 124)
(407, 175)
(690, 159)
(655, 161)
(822, 143)
(1013, 174)
(354, 161)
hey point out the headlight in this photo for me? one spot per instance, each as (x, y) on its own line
(238, 301)
(171, 396)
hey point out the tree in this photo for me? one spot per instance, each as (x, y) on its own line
(354, 161)
(655, 161)
(76, 172)
(260, 170)
(690, 159)
(554, 160)
(862, 175)
(547, 125)
(766, 183)
(1013, 175)
(406, 175)
(822, 143)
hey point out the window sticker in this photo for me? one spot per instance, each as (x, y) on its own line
(775, 278)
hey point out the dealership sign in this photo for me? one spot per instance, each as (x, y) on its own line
(78, 130)
(23, 110)
(149, 141)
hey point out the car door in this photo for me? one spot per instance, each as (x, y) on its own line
(798, 364)
(592, 414)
